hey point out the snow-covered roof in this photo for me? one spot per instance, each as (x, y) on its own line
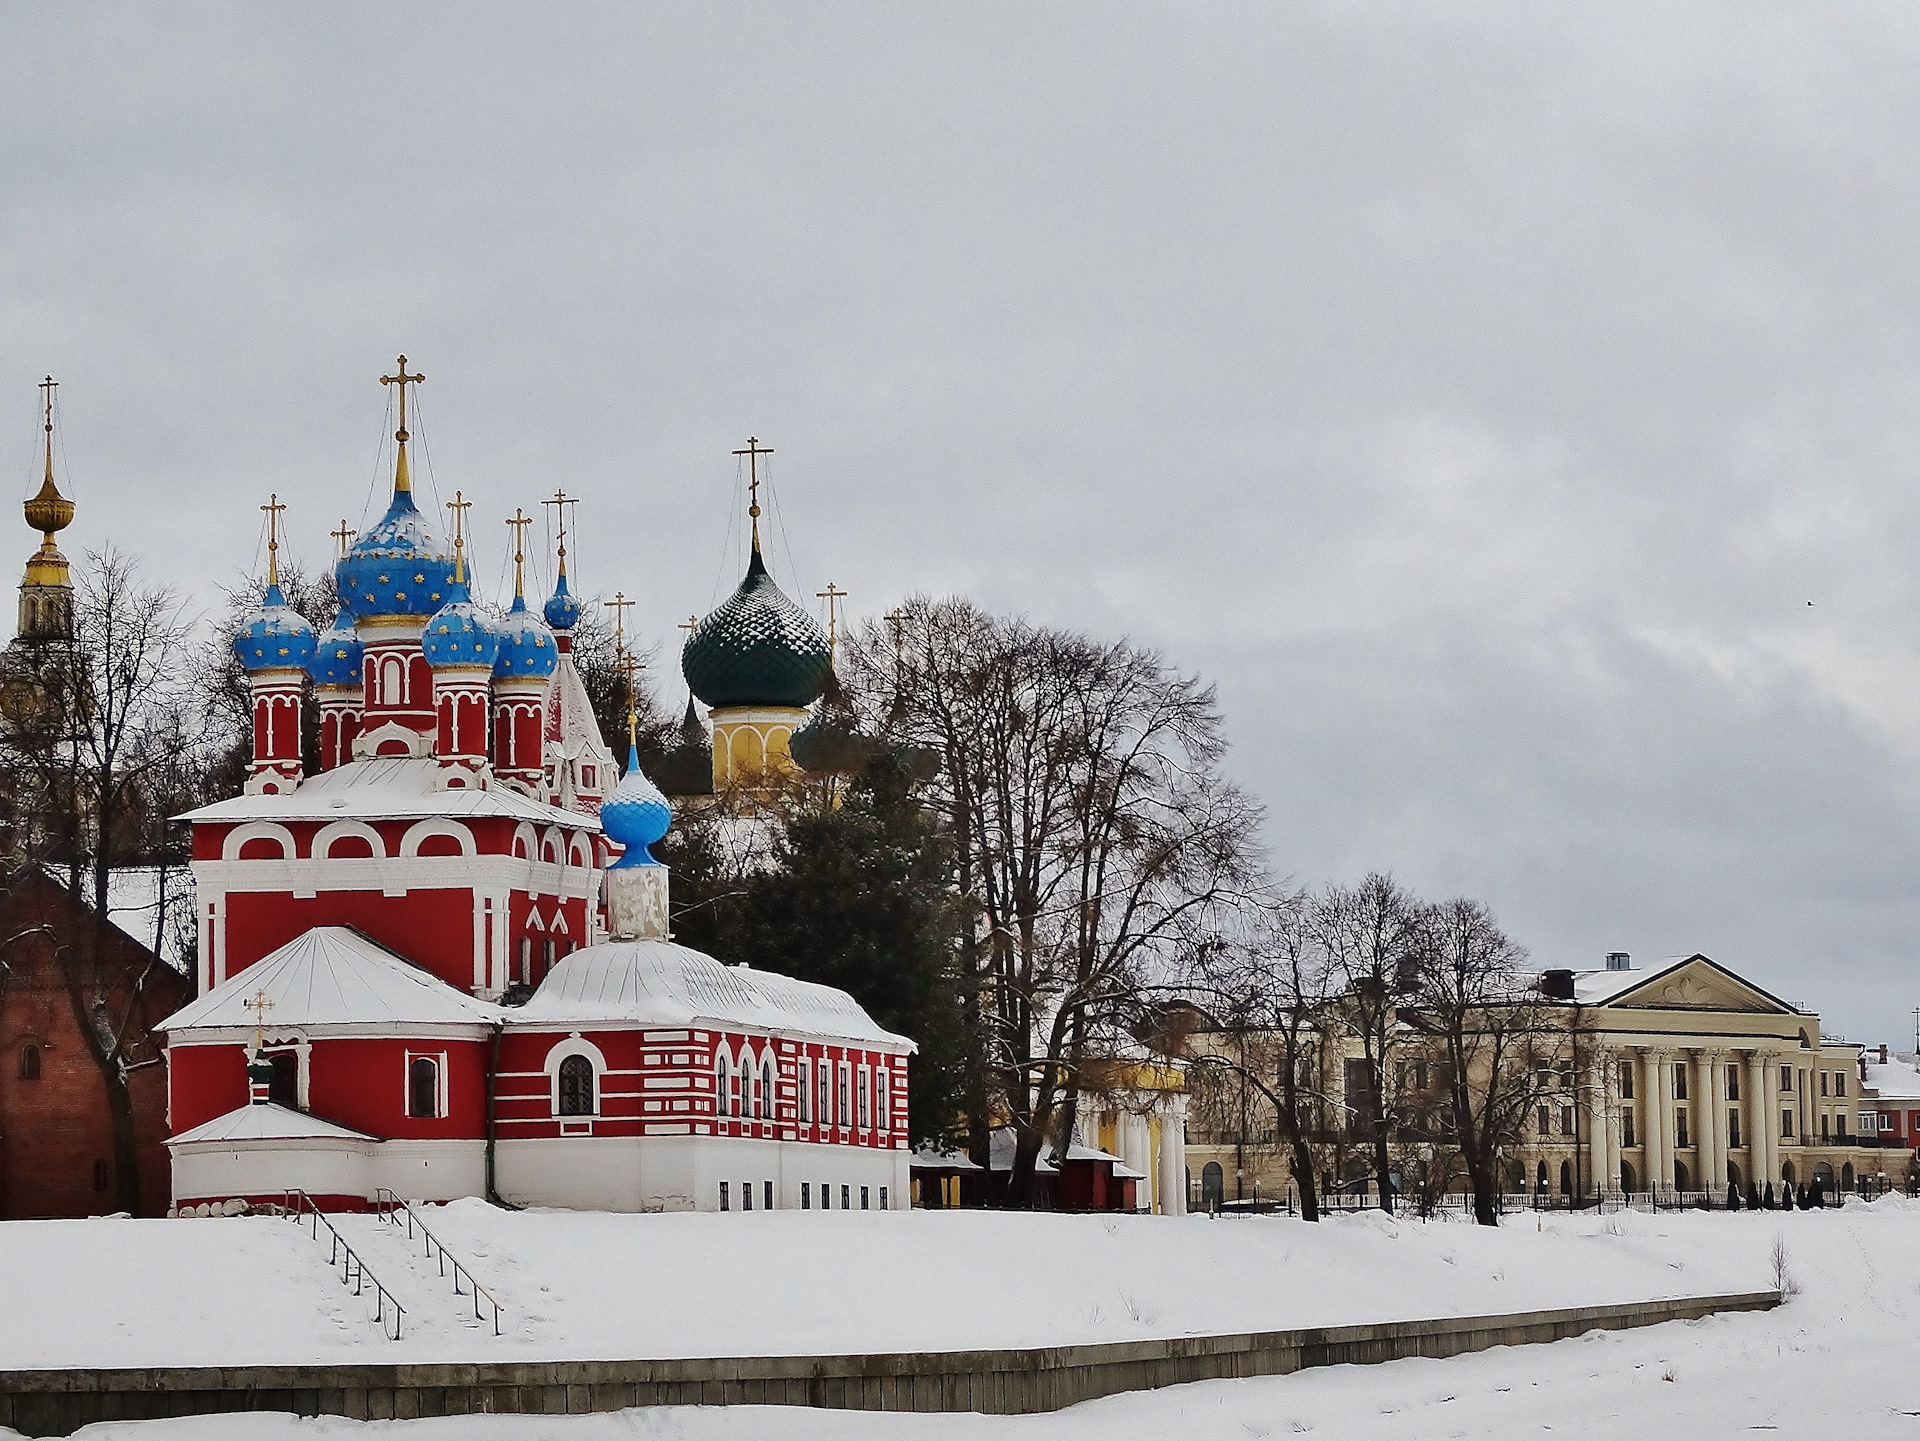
(334, 976)
(1592, 988)
(269, 1121)
(134, 905)
(658, 983)
(1000, 1156)
(388, 788)
(930, 1158)
(1897, 1080)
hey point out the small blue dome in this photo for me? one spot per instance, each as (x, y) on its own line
(457, 634)
(563, 611)
(526, 645)
(397, 567)
(274, 637)
(337, 654)
(635, 815)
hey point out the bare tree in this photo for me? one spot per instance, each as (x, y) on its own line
(1091, 828)
(1371, 939)
(1498, 1040)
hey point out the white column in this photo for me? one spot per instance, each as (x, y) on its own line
(1713, 1163)
(1760, 1118)
(1654, 1152)
(1173, 1156)
(1602, 1147)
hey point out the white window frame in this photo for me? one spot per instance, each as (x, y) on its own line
(576, 1045)
(439, 1059)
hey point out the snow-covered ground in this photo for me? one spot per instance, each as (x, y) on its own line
(584, 1286)
(1837, 1359)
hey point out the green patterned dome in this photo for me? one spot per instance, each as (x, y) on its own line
(758, 649)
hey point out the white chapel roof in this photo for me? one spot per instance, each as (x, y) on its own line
(1897, 1080)
(334, 976)
(659, 983)
(388, 788)
(269, 1121)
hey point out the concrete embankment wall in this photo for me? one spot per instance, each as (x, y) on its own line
(57, 1403)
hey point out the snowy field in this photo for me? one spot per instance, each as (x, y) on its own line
(1838, 1359)
(583, 1286)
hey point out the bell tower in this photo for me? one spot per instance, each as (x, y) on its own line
(46, 592)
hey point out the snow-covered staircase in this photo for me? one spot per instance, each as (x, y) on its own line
(441, 1296)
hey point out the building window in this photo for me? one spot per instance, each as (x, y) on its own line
(806, 1091)
(864, 1113)
(1545, 1128)
(1680, 1081)
(1680, 1128)
(102, 1177)
(863, 1198)
(826, 1196)
(1627, 1138)
(769, 1194)
(746, 1195)
(1566, 1120)
(1626, 1080)
(29, 1063)
(723, 1196)
(284, 1088)
(883, 1198)
(820, 1081)
(1839, 1083)
(882, 1084)
(1823, 1125)
(546, 958)
(1786, 1124)
(720, 1086)
(1733, 1129)
(1889, 1122)
(526, 960)
(576, 1086)
(1823, 1083)
(840, 1116)
(766, 1090)
(1786, 1079)
(423, 1088)
(1733, 1083)
(846, 1198)
(806, 1196)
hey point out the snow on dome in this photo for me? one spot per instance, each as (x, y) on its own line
(398, 567)
(269, 1121)
(527, 647)
(658, 983)
(635, 815)
(562, 609)
(758, 648)
(274, 637)
(337, 653)
(334, 976)
(458, 634)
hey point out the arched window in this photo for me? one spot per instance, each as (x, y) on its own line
(392, 682)
(29, 1063)
(1540, 1178)
(720, 1097)
(1213, 1184)
(526, 960)
(1629, 1182)
(1681, 1180)
(423, 1088)
(766, 1090)
(576, 1086)
(284, 1088)
(1566, 1178)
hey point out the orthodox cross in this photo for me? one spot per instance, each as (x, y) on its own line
(561, 500)
(753, 452)
(49, 385)
(688, 624)
(619, 605)
(273, 509)
(832, 595)
(403, 380)
(259, 1005)
(631, 665)
(519, 520)
(897, 623)
(343, 535)
(459, 506)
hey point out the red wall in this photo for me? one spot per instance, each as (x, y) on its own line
(432, 928)
(355, 1083)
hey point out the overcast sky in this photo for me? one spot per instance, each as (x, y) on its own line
(1478, 394)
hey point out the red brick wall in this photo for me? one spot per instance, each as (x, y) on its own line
(53, 1130)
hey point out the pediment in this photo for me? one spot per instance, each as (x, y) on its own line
(1699, 984)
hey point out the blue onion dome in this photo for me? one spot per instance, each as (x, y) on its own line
(458, 634)
(274, 637)
(636, 815)
(563, 610)
(758, 648)
(337, 654)
(526, 645)
(397, 567)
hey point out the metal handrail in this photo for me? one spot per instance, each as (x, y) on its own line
(353, 1270)
(386, 1203)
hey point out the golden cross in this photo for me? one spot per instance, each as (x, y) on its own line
(519, 520)
(620, 605)
(753, 452)
(831, 595)
(343, 535)
(688, 625)
(630, 666)
(273, 509)
(459, 505)
(259, 1005)
(403, 380)
(561, 500)
(49, 385)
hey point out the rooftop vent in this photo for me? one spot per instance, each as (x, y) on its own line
(1619, 961)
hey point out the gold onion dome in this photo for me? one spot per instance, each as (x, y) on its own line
(757, 649)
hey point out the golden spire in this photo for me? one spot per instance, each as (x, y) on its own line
(561, 500)
(402, 482)
(49, 512)
(273, 509)
(831, 595)
(459, 506)
(342, 536)
(519, 520)
(753, 452)
(630, 666)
